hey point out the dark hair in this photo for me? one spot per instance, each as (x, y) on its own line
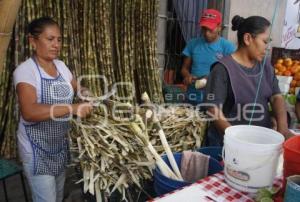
(253, 25)
(37, 26)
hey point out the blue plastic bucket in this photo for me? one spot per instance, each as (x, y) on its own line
(163, 184)
(292, 191)
(213, 152)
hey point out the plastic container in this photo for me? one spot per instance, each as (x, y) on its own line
(292, 193)
(278, 52)
(251, 157)
(285, 79)
(213, 152)
(174, 93)
(284, 87)
(284, 83)
(291, 158)
(163, 184)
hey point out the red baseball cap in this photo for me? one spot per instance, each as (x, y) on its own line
(211, 19)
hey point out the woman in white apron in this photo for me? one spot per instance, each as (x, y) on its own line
(45, 89)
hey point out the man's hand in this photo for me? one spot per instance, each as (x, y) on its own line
(188, 79)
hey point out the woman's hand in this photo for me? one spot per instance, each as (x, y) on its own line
(82, 110)
(280, 115)
(286, 133)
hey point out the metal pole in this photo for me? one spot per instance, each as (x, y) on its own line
(226, 20)
(161, 34)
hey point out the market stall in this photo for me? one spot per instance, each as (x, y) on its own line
(286, 63)
(132, 138)
(213, 188)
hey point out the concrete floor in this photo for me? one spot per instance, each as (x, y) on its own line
(15, 191)
(72, 191)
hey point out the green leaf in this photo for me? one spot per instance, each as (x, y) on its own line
(266, 199)
(263, 193)
(274, 190)
(291, 99)
(266, 195)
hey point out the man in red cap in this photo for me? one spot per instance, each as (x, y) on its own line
(200, 53)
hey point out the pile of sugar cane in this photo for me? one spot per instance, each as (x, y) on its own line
(117, 151)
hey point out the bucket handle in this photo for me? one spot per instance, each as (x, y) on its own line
(249, 168)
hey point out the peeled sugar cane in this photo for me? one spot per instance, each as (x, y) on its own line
(163, 139)
(201, 83)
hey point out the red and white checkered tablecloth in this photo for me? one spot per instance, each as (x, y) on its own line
(215, 186)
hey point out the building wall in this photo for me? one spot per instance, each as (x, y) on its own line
(265, 8)
(290, 35)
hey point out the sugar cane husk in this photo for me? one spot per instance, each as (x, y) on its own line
(120, 181)
(91, 184)
(98, 192)
(85, 179)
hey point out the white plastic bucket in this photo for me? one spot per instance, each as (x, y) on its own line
(251, 157)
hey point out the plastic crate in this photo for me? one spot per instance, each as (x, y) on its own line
(174, 93)
(277, 53)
